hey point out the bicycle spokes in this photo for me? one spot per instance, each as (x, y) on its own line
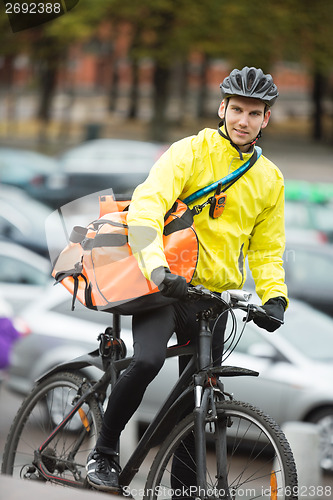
(52, 437)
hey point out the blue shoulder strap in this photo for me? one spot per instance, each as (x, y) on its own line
(225, 180)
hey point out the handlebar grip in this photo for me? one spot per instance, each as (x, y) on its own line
(260, 311)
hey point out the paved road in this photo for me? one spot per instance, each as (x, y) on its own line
(300, 158)
(9, 405)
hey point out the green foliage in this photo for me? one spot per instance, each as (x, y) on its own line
(243, 32)
(309, 37)
(168, 31)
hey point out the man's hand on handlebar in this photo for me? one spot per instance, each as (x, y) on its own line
(170, 285)
(270, 316)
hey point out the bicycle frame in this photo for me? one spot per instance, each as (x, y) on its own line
(183, 397)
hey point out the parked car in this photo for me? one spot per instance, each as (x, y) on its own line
(58, 334)
(36, 173)
(23, 275)
(22, 219)
(34, 225)
(295, 364)
(307, 221)
(309, 274)
(102, 164)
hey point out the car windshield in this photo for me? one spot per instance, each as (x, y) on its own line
(310, 332)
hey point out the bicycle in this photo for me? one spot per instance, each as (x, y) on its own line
(240, 452)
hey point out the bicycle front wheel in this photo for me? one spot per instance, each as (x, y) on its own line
(63, 459)
(260, 463)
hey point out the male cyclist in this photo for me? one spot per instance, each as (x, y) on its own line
(252, 224)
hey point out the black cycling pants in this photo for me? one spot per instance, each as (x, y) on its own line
(151, 333)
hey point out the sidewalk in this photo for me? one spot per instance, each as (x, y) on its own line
(16, 489)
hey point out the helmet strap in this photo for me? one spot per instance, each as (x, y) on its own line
(255, 140)
(226, 135)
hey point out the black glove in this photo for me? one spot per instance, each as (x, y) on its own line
(274, 308)
(170, 285)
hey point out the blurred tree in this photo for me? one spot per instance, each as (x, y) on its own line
(251, 32)
(240, 33)
(48, 45)
(166, 31)
(11, 47)
(309, 39)
(261, 34)
(51, 43)
(169, 31)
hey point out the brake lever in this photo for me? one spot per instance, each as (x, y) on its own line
(255, 310)
(198, 292)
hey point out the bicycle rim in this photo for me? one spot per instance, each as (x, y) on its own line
(63, 459)
(259, 459)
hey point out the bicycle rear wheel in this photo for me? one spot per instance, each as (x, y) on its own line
(260, 463)
(64, 458)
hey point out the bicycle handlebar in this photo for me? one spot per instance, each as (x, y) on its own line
(236, 299)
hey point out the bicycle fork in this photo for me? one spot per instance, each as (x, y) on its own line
(205, 411)
(205, 385)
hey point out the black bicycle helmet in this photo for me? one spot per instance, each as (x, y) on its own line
(250, 82)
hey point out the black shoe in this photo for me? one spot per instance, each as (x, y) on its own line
(103, 472)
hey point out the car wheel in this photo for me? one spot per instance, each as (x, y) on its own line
(324, 419)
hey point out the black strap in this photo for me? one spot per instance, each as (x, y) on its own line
(228, 138)
(105, 240)
(179, 223)
(87, 296)
(74, 273)
(172, 209)
(76, 287)
(78, 234)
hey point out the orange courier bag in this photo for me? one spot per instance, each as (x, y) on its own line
(99, 269)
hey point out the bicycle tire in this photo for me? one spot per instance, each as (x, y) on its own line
(64, 458)
(260, 460)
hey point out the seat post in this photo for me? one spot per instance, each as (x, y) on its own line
(116, 325)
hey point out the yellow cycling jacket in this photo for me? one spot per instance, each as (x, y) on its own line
(252, 223)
